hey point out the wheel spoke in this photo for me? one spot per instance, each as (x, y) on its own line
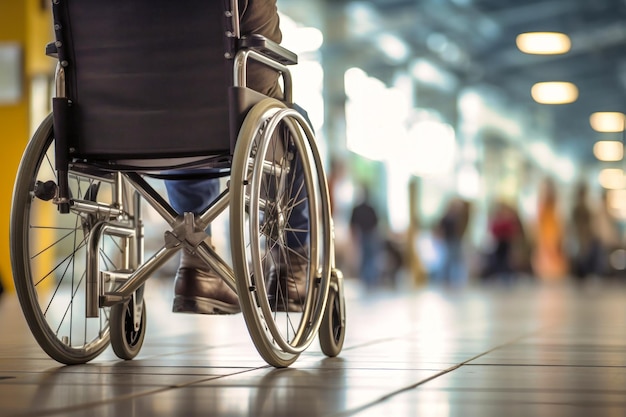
(37, 283)
(72, 232)
(48, 254)
(278, 180)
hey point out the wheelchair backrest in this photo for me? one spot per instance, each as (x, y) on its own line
(145, 78)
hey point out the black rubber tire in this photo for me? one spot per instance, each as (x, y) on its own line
(125, 340)
(279, 332)
(333, 329)
(49, 312)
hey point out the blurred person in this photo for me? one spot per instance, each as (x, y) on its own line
(548, 258)
(608, 233)
(451, 231)
(364, 231)
(521, 251)
(197, 288)
(340, 191)
(336, 175)
(583, 241)
(509, 255)
(394, 260)
(503, 226)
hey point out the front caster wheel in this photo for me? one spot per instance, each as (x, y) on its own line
(332, 332)
(126, 340)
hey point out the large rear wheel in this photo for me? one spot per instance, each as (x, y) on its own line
(49, 253)
(281, 231)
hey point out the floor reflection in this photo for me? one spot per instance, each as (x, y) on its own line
(532, 350)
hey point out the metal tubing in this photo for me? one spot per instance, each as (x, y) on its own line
(139, 236)
(119, 190)
(218, 265)
(84, 206)
(93, 286)
(235, 18)
(59, 81)
(152, 197)
(240, 70)
(215, 209)
(141, 275)
(138, 258)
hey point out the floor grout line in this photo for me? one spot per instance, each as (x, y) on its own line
(432, 377)
(77, 407)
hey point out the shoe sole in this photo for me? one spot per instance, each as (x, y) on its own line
(201, 305)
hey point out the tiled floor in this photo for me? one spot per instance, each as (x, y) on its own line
(527, 351)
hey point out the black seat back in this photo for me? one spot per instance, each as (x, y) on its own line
(145, 78)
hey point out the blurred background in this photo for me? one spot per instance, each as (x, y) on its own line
(467, 142)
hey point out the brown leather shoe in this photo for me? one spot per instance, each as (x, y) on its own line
(198, 289)
(291, 272)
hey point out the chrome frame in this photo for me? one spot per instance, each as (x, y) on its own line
(187, 231)
(59, 81)
(240, 70)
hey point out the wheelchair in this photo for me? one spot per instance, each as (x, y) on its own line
(143, 93)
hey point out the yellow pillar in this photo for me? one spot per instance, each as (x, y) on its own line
(27, 25)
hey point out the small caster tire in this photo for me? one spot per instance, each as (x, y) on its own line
(332, 331)
(126, 341)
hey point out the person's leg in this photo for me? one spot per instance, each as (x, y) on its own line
(457, 265)
(443, 275)
(371, 256)
(198, 289)
(191, 195)
(259, 17)
(299, 216)
(294, 261)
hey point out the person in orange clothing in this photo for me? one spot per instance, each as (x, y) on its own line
(549, 259)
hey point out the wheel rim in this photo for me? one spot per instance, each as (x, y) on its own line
(133, 337)
(48, 255)
(265, 238)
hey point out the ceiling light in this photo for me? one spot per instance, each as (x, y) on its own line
(607, 121)
(554, 92)
(543, 43)
(611, 178)
(608, 150)
(616, 199)
(428, 73)
(392, 46)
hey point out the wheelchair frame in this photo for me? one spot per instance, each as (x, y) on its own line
(251, 169)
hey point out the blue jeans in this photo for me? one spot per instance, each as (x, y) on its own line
(453, 269)
(369, 267)
(194, 195)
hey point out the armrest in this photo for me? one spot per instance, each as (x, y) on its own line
(269, 48)
(51, 50)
